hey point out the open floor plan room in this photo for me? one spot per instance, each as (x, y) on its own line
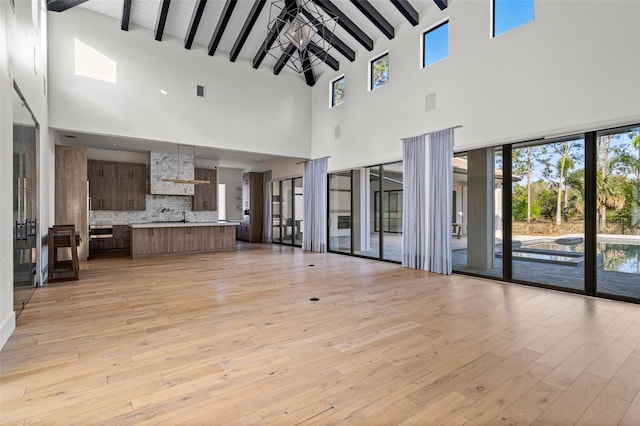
(234, 338)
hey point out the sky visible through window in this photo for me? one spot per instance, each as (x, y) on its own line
(436, 44)
(509, 14)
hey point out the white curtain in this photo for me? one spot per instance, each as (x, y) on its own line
(268, 196)
(413, 207)
(314, 236)
(440, 200)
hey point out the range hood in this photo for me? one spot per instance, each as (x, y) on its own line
(182, 180)
(171, 173)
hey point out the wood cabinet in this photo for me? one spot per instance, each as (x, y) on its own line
(71, 192)
(117, 186)
(150, 241)
(205, 196)
(251, 228)
(121, 237)
(181, 239)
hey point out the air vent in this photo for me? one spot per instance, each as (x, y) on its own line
(200, 92)
(430, 102)
(336, 132)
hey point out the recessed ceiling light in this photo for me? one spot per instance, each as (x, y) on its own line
(115, 144)
(164, 92)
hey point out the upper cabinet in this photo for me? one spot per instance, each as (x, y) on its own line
(205, 195)
(117, 186)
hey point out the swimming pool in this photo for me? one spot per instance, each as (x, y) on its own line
(611, 257)
(620, 257)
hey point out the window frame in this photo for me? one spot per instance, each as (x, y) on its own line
(332, 91)
(492, 26)
(370, 87)
(423, 33)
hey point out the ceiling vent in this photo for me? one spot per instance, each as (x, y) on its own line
(200, 92)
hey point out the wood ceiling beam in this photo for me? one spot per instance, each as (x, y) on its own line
(163, 12)
(223, 21)
(331, 38)
(258, 5)
(375, 17)
(126, 14)
(62, 5)
(309, 77)
(407, 11)
(193, 24)
(442, 4)
(346, 23)
(323, 55)
(284, 58)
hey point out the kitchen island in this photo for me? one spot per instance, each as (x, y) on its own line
(165, 238)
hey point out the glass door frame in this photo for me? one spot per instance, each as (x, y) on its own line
(281, 212)
(37, 280)
(590, 215)
(377, 214)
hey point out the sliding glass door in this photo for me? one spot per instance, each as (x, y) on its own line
(548, 213)
(339, 219)
(25, 204)
(476, 222)
(365, 212)
(287, 207)
(617, 212)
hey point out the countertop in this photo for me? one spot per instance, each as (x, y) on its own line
(180, 224)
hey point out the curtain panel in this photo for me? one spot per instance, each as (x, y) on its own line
(440, 201)
(314, 236)
(413, 206)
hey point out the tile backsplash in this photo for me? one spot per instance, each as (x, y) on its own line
(159, 208)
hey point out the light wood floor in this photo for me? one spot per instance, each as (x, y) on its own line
(232, 338)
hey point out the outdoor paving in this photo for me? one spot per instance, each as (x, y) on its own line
(565, 276)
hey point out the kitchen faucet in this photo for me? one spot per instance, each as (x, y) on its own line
(184, 217)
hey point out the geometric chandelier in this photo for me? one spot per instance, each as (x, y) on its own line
(295, 25)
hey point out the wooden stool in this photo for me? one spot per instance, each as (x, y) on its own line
(61, 236)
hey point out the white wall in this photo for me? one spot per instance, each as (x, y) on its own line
(232, 178)
(244, 109)
(23, 59)
(574, 68)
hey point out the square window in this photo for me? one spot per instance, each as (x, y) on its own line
(510, 14)
(379, 71)
(337, 91)
(435, 44)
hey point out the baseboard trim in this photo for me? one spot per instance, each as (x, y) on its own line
(8, 326)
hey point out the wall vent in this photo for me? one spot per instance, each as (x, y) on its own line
(200, 91)
(430, 102)
(336, 132)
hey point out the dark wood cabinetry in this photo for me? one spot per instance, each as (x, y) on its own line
(71, 192)
(181, 239)
(147, 241)
(121, 237)
(251, 228)
(117, 186)
(205, 196)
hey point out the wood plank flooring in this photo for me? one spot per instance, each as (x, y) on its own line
(232, 338)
